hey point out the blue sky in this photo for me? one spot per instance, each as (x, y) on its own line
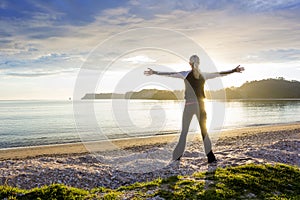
(44, 44)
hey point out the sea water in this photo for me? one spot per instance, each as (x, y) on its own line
(32, 123)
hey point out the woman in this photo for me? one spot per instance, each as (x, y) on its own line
(194, 81)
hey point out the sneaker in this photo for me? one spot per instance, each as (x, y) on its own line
(211, 157)
(178, 159)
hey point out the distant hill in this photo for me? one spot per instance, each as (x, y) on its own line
(267, 88)
(143, 94)
(103, 96)
(155, 94)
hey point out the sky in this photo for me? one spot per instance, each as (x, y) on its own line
(49, 49)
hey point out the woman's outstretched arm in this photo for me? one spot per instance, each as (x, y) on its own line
(238, 69)
(150, 72)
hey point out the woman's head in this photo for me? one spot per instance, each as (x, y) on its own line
(194, 61)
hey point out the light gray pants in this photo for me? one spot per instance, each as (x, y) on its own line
(190, 109)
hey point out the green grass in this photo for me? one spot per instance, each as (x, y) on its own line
(243, 182)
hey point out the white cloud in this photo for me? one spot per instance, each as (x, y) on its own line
(224, 33)
(139, 59)
(115, 11)
(270, 5)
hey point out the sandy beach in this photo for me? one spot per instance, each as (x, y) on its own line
(73, 165)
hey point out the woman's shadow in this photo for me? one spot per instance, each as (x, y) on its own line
(209, 180)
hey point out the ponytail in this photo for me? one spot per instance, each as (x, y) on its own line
(195, 62)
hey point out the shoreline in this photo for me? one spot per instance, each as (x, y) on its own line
(147, 159)
(79, 148)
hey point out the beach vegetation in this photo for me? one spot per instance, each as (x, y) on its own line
(251, 181)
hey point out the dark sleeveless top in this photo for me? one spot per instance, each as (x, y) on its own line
(194, 88)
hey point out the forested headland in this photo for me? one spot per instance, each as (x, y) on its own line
(262, 89)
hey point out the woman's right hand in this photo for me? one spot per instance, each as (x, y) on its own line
(149, 72)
